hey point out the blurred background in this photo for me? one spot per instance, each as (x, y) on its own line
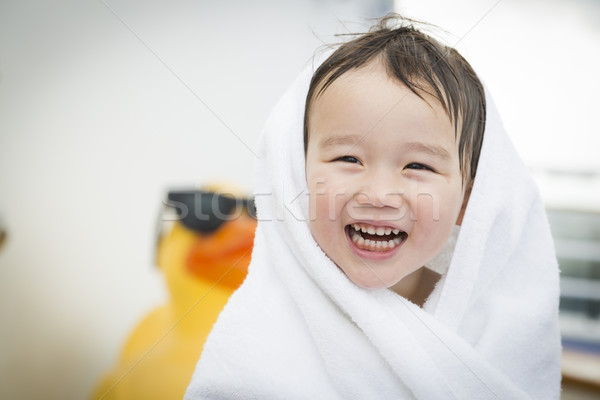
(105, 104)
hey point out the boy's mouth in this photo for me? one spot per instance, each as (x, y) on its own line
(375, 238)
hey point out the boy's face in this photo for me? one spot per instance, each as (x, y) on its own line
(383, 175)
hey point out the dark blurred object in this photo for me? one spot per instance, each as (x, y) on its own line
(577, 238)
(205, 211)
(3, 233)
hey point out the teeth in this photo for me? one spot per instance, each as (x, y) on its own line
(379, 245)
(376, 244)
(372, 230)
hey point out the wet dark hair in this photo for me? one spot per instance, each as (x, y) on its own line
(424, 65)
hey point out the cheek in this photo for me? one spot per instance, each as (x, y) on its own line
(437, 209)
(327, 192)
(324, 221)
(326, 202)
(327, 210)
(435, 219)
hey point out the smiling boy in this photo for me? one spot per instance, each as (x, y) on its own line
(383, 156)
(341, 301)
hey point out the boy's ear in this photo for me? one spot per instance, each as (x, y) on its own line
(464, 205)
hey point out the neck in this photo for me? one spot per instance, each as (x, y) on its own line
(417, 286)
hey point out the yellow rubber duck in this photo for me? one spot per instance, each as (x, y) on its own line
(204, 256)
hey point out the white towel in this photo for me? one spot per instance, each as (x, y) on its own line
(298, 328)
(441, 262)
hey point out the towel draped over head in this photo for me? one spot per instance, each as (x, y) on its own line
(298, 328)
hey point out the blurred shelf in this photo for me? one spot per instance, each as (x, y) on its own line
(578, 249)
(580, 288)
(579, 327)
(581, 367)
(581, 351)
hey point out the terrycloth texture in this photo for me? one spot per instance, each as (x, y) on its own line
(441, 262)
(298, 328)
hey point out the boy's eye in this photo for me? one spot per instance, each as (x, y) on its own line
(348, 159)
(419, 166)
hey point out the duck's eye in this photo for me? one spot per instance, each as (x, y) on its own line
(419, 166)
(348, 159)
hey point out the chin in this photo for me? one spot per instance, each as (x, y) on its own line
(372, 282)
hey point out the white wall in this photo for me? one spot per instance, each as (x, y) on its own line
(93, 128)
(540, 59)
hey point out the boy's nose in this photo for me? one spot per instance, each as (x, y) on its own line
(380, 191)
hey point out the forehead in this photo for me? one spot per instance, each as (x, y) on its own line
(367, 101)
